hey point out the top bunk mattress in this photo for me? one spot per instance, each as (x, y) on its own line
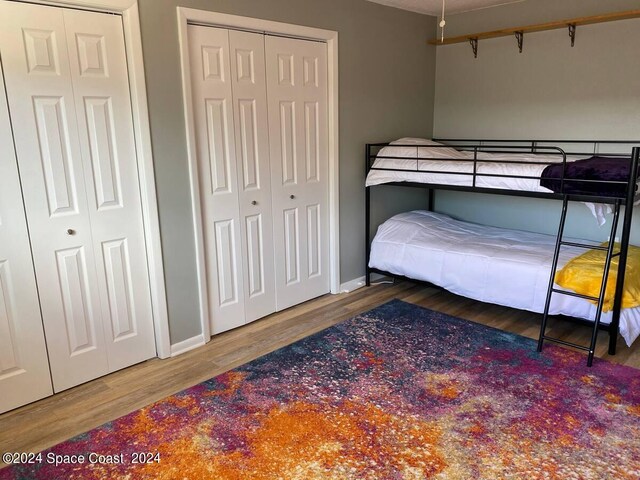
(490, 264)
(419, 160)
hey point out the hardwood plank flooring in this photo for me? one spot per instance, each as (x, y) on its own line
(44, 423)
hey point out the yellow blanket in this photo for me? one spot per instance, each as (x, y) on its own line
(583, 274)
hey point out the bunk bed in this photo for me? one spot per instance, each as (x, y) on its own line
(508, 267)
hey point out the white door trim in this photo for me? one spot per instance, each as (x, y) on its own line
(113, 6)
(203, 17)
(133, 44)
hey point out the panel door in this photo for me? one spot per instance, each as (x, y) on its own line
(39, 86)
(217, 170)
(24, 366)
(98, 65)
(298, 140)
(67, 86)
(254, 175)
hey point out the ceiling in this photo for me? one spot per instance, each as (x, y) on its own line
(434, 7)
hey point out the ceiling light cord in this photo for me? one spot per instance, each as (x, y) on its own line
(442, 22)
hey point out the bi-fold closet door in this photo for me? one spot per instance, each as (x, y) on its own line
(260, 111)
(69, 102)
(235, 188)
(24, 369)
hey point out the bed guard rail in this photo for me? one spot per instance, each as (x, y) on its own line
(618, 150)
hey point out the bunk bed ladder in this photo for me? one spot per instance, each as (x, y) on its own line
(603, 286)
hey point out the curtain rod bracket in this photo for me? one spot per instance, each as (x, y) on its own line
(520, 39)
(474, 46)
(572, 33)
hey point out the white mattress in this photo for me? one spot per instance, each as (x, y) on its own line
(490, 264)
(462, 175)
(459, 173)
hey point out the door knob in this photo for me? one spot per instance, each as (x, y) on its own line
(71, 231)
(254, 203)
(292, 197)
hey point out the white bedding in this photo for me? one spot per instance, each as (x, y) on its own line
(463, 170)
(490, 264)
(424, 148)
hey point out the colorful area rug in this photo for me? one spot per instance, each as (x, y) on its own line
(400, 392)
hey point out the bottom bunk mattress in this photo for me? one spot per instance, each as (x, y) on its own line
(490, 264)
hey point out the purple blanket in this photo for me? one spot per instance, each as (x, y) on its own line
(604, 169)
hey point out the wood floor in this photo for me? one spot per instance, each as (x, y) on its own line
(55, 419)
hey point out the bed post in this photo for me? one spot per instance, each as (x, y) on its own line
(624, 248)
(367, 223)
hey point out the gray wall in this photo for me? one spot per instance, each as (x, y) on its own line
(550, 91)
(386, 91)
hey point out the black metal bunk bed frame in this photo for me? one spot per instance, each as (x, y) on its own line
(626, 198)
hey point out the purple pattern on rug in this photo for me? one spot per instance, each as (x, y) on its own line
(398, 392)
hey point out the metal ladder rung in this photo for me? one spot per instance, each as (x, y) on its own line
(592, 247)
(584, 245)
(574, 294)
(566, 344)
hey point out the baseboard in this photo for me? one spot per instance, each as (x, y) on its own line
(352, 285)
(186, 345)
(375, 277)
(357, 283)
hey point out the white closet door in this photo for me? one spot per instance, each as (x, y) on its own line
(298, 134)
(103, 105)
(213, 111)
(254, 175)
(39, 86)
(67, 87)
(24, 367)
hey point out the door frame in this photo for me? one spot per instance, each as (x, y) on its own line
(222, 20)
(128, 10)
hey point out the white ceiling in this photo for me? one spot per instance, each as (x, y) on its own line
(434, 7)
